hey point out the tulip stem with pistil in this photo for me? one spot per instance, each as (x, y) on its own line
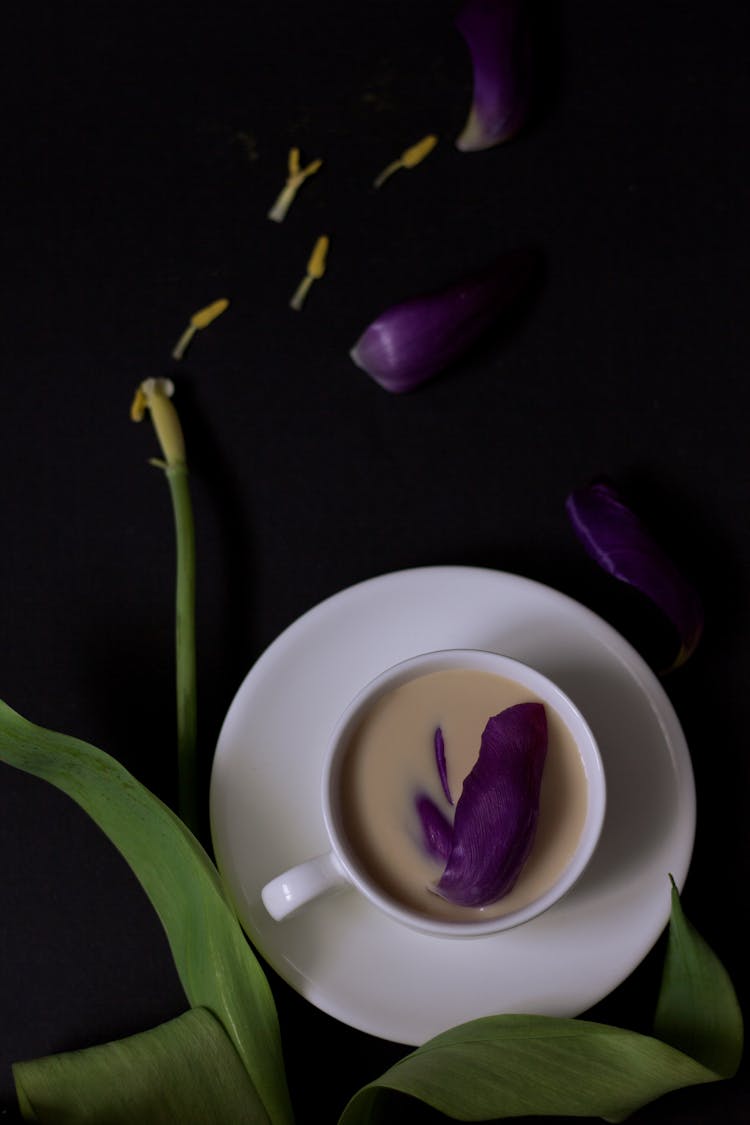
(154, 395)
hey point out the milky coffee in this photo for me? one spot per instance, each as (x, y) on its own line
(390, 759)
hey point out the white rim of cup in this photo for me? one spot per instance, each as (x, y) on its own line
(551, 695)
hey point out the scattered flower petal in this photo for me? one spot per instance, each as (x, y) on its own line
(414, 340)
(200, 319)
(408, 159)
(497, 812)
(295, 179)
(619, 542)
(497, 35)
(437, 831)
(316, 267)
(442, 764)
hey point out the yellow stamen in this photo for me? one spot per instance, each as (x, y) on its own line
(316, 267)
(295, 179)
(155, 395)
(412, 156)
(200, 319)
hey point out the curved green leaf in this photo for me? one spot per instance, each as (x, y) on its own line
(185, 1070)
(698, 1010)
(215, 964)
(515, 1065)
(511, 1066)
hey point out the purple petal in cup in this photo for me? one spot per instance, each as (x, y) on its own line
(497, 35)
(414, 340)
(621, 544)
(437, 831)
(497, 812)
(442, 765)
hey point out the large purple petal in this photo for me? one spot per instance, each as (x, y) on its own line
(437, 831)
(497, 812)
(498, 37)
(414, 340)
(620, 543)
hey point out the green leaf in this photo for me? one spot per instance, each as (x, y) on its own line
(515, 1065)
(510, 1066)
(215, 964)
(185, 1070)
(698, 1011)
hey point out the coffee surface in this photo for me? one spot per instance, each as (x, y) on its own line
(390, 759)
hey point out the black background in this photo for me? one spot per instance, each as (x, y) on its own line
(142, 149)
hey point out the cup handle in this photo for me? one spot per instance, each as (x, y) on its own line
(297, 886)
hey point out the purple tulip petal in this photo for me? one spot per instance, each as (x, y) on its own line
(414, 340)
(442, 765)
(498, 38)
(617, 540)
(437, 831)
(497, 812)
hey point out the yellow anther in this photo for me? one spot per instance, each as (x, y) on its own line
(200, 319)
(203, 317)
(138, 406)
(416, 154)
(311, 169)
(412, 156)
(295, 179)
(316, 267)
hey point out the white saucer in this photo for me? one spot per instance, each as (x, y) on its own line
(341, 953)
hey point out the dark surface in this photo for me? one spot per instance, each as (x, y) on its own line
(142, 150)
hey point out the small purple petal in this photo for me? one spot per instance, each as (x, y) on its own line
(437, 830)
(414, 340)
(617, 540)
(497, 812)
(442, 764)
(498, 37)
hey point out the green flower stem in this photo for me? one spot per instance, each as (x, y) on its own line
(185, 661)
(154, 396)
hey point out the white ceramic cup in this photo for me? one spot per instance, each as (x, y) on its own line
(338, 868)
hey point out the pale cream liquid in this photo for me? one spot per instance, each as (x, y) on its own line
(391, 759)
